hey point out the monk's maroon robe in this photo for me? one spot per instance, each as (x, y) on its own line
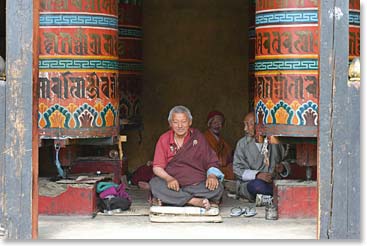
(191, 162)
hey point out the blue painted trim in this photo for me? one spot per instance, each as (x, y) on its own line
(287, 17)
(65, 19)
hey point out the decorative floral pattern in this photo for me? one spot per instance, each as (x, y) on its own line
(282, 113)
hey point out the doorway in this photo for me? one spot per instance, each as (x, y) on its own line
(195, 54)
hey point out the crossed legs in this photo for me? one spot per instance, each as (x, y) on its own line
(196, 195)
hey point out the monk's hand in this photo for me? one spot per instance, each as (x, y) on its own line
(211, 182)
(173, 184)
(265, 177)
(279, 168)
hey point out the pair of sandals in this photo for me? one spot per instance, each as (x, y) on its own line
(245, 212)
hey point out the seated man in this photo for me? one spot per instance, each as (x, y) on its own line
(218, 144)
(185, 166)
(253, 171)
(142, 175)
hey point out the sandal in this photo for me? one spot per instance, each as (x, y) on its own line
(246, 212)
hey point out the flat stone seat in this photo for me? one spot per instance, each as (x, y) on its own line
(187, 210)
(173, 218)
(188, 214)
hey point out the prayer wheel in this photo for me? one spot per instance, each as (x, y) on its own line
(78, 69)
(130, 53)
(286, 68)
(286, 65)
(354, 29)
(251, 67)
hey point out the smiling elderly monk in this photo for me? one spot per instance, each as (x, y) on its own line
(186, 167)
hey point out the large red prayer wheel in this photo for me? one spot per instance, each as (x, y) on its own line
(78, 69)
(251, 53)
(130, 53)
(354, 29)
(286, 65)
(286, 68)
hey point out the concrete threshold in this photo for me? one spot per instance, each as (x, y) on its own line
(135, 224)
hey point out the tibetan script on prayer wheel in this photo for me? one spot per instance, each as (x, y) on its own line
(78, 69)
(286, 68)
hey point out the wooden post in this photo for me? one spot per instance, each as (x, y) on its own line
(2, 146)
(35, 140)
(338, 146)
(2, 127)
(17, 172)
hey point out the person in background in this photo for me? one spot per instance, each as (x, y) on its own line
(224, 151)
(255, 165)
(186, 168)
(142, 175)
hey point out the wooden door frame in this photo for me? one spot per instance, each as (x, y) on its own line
(35, 140)
(339, 128)
(19, 156)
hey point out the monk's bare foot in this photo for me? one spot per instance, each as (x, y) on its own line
(157, 202)
(199, 202)
(143, 185)
(154, 201)
(206, 204)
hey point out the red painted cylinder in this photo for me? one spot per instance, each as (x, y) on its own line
(130, 62)
(251, 40)
(78, 69)
(286, 65)
(286, 68)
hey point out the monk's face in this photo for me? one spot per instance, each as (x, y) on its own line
(180, 124)
(216, 124)
(249, 123)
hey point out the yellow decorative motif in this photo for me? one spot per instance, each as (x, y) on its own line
(295, 120)
(268, 120)
(72, 107)
(98, 106)
(72, 123)
(281, 116)
(269, 104)
(99, 120)
(295, 105)
(42, 123)
(42, 108)
(57, 120)
(110, 118)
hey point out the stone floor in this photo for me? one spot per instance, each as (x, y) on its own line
(135, 224)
